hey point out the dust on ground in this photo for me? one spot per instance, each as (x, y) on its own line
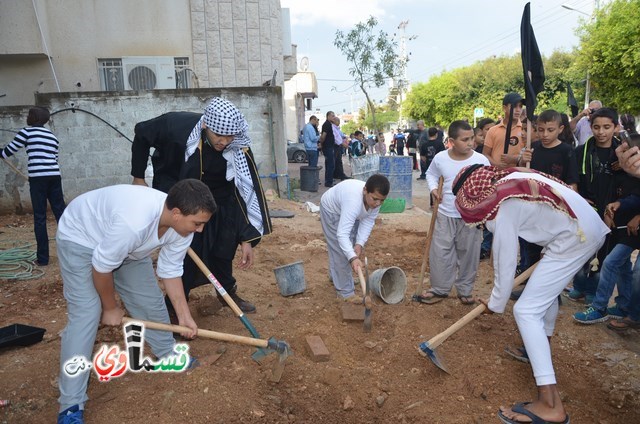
(370, 377)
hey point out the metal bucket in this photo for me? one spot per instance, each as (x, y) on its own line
(390, 284)
(290, 278)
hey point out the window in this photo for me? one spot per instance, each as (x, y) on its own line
(110, 71)
(183, 72)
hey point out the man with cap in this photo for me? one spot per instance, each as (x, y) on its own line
(215, 148)
(518, 202)
(494, 141)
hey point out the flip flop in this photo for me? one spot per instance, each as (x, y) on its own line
(519, 354)
(519, 408)
(467, 300)
(431, 298)
(623, 324)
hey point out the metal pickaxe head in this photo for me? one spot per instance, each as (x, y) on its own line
(425, 350)
(274, 346)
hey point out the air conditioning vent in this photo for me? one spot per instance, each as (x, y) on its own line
(142, 78)
(149, 72)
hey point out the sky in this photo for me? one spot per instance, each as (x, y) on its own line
(446, 35)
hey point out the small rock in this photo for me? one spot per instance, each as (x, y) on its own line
(379, 349)
(370, 344)
(460, 398)
(348, 404)
(380, 400)
(206, 390)
(415, 371)
(221, 349)
(259, 413)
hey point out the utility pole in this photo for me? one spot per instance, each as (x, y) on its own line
(402, 79)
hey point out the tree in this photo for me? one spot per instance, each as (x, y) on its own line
(371, 56)
(610, 52)
(454, 94)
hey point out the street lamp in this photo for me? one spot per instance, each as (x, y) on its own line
(587, 87)
(566, 6)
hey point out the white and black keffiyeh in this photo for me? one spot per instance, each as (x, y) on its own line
(223, 118)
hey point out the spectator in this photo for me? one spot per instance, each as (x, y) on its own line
(430, 146)
(328, 143)
(400, 140)
(494, 141)
(581, 123)
(310, 139)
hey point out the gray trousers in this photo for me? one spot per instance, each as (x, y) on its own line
(454, 256)
(339, 266)
(138, 288)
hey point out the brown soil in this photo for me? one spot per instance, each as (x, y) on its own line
(370, 377)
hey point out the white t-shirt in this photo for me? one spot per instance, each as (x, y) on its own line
(346, 200)
(442, 164)
(121, 222)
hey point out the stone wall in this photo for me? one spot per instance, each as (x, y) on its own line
(94, 155)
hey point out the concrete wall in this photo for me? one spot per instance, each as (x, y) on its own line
(94, 155)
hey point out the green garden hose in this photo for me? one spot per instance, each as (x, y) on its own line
(17, 263)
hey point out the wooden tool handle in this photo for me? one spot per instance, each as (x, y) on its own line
(440, 338)
(16, 170)
(432, 225)
(215, 282)
(207, 334)
(363, 283)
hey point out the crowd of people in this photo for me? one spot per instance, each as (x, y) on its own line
(558, 193)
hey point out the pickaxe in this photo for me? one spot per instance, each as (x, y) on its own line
(428, 348)
(265, 347)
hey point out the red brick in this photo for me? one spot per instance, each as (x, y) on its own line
(351, 312)
(317, 349)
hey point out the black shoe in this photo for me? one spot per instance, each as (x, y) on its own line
(328, 185)
(484, 254)
(246, 307)
(421, 178)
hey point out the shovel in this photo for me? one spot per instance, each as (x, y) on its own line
(264, 346)
(425, 256)
(366, 299)
(428, 348)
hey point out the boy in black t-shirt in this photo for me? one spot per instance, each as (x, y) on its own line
(550, 155)
(429, 147)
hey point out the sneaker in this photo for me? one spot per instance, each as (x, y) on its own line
(615, 312)
(353, 299)
(590, 316)
(72, 415)
(421, 178)
(575, 295)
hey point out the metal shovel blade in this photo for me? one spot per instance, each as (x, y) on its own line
(425, 350)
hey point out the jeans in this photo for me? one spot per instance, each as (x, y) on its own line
(616, 270)
(586, 281)
(312, 156)
(41, 190)
(634, 308)
(487, 240)
(329, 165)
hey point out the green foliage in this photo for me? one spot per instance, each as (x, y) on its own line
(349, 127)
(610, 51)
(454, 94)
(371, 54)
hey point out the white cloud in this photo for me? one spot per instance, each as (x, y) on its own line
(335, 13)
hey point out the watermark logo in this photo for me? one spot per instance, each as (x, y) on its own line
(110, 362)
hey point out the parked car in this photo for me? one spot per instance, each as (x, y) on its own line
(296, 152)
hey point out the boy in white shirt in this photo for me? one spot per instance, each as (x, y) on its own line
(105, 240)
(348, 212)
(455, 248)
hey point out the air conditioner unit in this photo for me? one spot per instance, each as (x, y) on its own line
(149, 72)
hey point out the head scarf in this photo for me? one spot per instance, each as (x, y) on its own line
(223, 118)
(481, 194)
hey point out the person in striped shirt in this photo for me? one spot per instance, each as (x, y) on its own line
(45, 182)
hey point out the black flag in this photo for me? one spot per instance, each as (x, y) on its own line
(531, 63)
(571, 101)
